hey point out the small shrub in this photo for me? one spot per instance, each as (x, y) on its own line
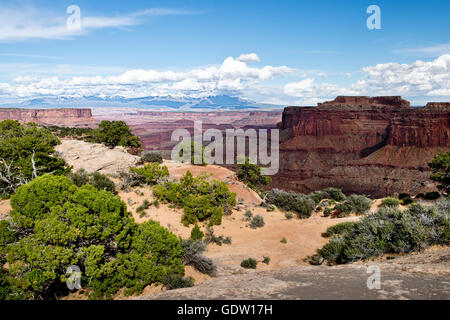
(288, 215)
(266, 260)
(271, 208)
(249, 263)
(251, 175)
(129, 180)
(402, 196)
(284, 240)
(343, 208)
(175, 281)
(431, 195)
(79, 178)
(355, 203)
(406, 201)
(196, 233)
(315, 260)
(101, 182)
(151, 157)
(210, 237)
(97, 180)
(327, 212)
(335, 194)
(192, 255)
(141, 209)
(257, 222)
(151, 173)
(156, 203)
(339, 229)
(360, 204)
(389, 202)
(144, 206)
(440, 171)
(318, 196)
(300, 204)
(248, 215)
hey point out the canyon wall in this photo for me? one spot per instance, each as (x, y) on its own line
(374, 146)
(59, 117)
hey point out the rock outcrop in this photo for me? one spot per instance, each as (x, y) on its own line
(95, 157)
(59, 117)
(416, 276)
(377, 146)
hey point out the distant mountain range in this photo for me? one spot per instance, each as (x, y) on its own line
(166, 103)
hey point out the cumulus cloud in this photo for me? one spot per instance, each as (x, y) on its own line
(231, 75)
(309, 91)
(248, 57)
(419, 78)
(415, 81)
(419, 82)
(27, 22)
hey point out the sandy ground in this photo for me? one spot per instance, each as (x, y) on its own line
(304, 236)
(5, 207)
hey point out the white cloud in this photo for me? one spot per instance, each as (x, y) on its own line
(419, 82)
(26, 22)
(419, 78)
(311, 92)
(231, 75)
(249, 57)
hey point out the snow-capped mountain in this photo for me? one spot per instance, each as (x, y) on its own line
(219, 102)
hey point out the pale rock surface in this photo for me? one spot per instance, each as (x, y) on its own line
(95, 157)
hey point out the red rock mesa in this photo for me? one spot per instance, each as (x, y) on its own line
(376, 146)
(58, 117)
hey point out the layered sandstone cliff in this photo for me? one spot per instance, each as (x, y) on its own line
(57, 117)
(377, 146)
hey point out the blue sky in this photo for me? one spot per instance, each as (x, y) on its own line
(292, 52)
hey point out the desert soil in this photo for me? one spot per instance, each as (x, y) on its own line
(4, 209)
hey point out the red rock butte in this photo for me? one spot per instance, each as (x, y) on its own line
(367, 145)
(63, 117)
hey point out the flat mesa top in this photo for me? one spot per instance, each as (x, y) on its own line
(384, 103)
